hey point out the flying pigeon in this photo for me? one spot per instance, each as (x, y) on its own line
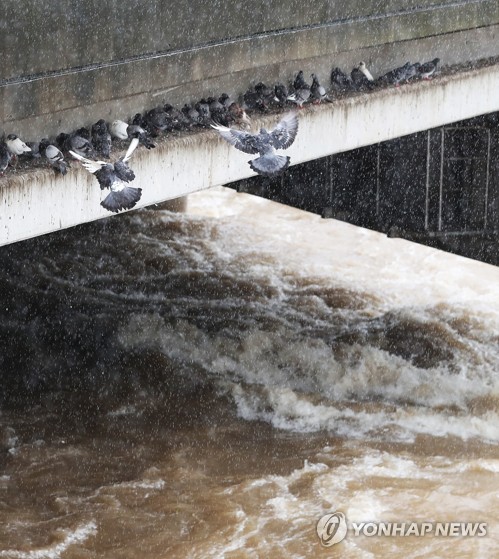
(264, 143)
(53, 155)
(427, 69)
(114, 176)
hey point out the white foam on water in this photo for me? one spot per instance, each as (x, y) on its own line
(79, 535)
(374, 487)
(300, 375)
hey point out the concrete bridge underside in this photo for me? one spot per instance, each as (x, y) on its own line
(65, 64)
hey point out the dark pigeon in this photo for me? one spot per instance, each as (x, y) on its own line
(5, 156)
(114, 177)
(203, 108)
(155, 121)
(258, 98)
(265, 143)
(35, 150)
(360, 81)
(101, 138)
(299, 81)
(397, 76)
(191, 114)
(340, 81)
(281, 94)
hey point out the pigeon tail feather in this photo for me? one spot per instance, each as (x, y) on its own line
(122, 199)
(270, 164)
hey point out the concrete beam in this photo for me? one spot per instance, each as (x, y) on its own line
(68, 64)
(37, 202)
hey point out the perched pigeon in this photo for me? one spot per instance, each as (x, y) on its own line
(53, 155)
(281, 94)
(76, 143)
(203, 109)
(264, 143)
(365, 71)
(301, 90)
(123, 131)
(237, 115)
(15, 145)
(340, 81)
(114, 176)
(175, 119)
(299, 81)
(397, 75)
(217, 109)
(427, 69)
(192, 114)
(317, 91)
(35, 150)
(359, 80)
(135, 131)
(258, 98)
(224, 99)
(412, 71)
(5, 156)
(101, 138)
(155, 121)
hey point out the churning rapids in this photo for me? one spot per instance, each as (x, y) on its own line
(209, 384)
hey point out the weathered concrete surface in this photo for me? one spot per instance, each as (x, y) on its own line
(39, 202)
(69, 63)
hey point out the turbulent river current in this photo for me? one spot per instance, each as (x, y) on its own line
(210, 384)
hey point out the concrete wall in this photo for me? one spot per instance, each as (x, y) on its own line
(67, 63)
(38, 201)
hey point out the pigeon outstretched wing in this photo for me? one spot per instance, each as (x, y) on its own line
(131, 148)
(89, 164)
(284, 134)
(243, 141)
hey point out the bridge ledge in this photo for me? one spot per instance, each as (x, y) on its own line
(35, 201)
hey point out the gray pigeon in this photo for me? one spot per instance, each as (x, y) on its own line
(265, 143)
(427, 69)
(317, 91)
(114, 176)
(53, 155)
(398, 75)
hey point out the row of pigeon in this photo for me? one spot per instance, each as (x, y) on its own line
(227, 117)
